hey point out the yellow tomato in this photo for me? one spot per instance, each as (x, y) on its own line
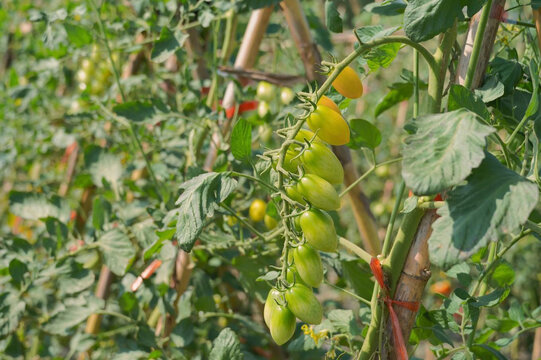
(330, 126)
(348, 84)
(257, 210)
(270, 222)
(326, 101)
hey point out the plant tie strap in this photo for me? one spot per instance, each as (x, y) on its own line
(375, 266)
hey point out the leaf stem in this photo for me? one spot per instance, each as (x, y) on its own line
(362, 254)
(368, 172)
(243, 221)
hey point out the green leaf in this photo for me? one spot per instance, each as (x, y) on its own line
(101, 210)
(332, 17)
(202, 195)
(183, 333)
(387, 8)
(536, 4)
(382, 56)
(399, 92)
(369, 33)
(137, 111)
(269, 276)
(473, 6)
(76, 280)
(343, 321)
(11, 311)
(226, 346)
(35, 206)
(494, 201)
(363, 134)
(462, 98)
(508, 72)
(103, 166)
(65, 319)
(491, 90)
(241, 140)
(424, 19)
(17, 269)
(443, 151)
(167, 44)
(78, 35)
(502, 275)
(117, 250)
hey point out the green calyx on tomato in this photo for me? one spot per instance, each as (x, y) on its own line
(319, 231)
(303, 304)
(282, 324)
(308, 264)
(318, 159)
(348, 83)
(330, 125)
(257, 210)
(319, 192)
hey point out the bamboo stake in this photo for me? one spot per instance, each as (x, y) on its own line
(537, 19)
(311, 58)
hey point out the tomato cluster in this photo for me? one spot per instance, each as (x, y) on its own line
(313, 170)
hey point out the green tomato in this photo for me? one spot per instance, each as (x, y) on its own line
(308, 263)
(297, 222)
(263, 108)
(318, 192)
(293, 277)
(319, 231)
(270, 222)
(286, 95)
(320, 160)
(265, 132)
(265, 91)
(282, 324)
(303, 304)
(331, 126)
(292, 192)
(270, 305)
(306, 135)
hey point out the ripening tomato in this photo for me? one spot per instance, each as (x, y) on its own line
(265, 91)
(441, 287)
(257, 210)
(263, 108)
(286, 95)
(282, 324)
(270, 222)
(292, 192)
(270, 305)
(348, 84)
(326, 101)
(318, 192)
(303, 304)
(320, 160)
(308, 264)
(306, 135)
(330, 125)
(319, 231)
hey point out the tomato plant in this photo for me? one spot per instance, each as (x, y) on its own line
(270, 180)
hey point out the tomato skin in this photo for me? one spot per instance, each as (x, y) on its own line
(348, 84)
(282, 324)
(330, 126)
(306, 135)
(270, 222)
(265, 91)
(286, 95)
(320, 160)
(263, 108)
(309, 266)
(326, 101)
(297, 222)
(292, 192)
(319, 231)
(257, 210)
(318, 192)
(270, 305)
(292, 276)
(303, 304)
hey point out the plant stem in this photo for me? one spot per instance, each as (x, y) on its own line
(243, 221)
(427, 205)
(253, 178)
(362, 254)
(415, 83)
(477, 44)
(368, 172)
(387, 240)
(361, 299)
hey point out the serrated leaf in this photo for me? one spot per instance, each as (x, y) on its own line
(241, 140)
(382, 56)
(443, 151)
(17, 270)
(387, 8)
(332, 17)
(226, 346)
(166, 45)
(103, 166)
(491, 90)
(35, 206)
(494, 201)
(462, 98)
(202, 195)
(373, 32)
(78, 35)
(136, 111)
(60, 323)
(399, 92)
(11, 311)
(117, 250)
(424, 19)
(364, 134)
